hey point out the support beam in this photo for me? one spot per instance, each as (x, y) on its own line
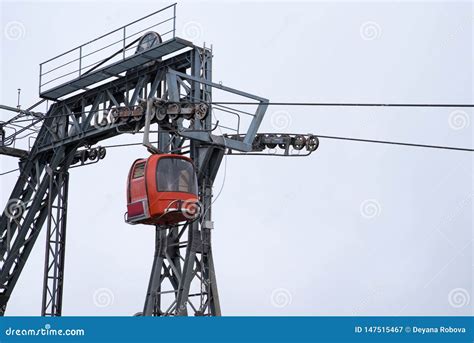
(13, 152)
(183, 282)
(55, 244)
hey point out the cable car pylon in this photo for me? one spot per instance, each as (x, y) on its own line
(147, 81)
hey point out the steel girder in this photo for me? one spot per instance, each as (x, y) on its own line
(27, 208)
(55, 243)
(190, 276)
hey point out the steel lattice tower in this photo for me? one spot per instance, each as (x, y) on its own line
(168, 84)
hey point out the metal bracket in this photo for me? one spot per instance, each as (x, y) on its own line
(243, 145)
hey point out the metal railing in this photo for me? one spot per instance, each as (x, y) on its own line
(109, 48)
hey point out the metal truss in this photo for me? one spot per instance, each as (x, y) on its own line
(169, 290)
(190, 276)
(176, 94)
(55, 243)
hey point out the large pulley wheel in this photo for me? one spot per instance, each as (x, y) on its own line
(148, 40)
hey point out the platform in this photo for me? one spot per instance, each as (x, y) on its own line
(115, 69)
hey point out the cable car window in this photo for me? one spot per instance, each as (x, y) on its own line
(139, 170)
(176, 175)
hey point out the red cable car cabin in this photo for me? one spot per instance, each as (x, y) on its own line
(162, 190)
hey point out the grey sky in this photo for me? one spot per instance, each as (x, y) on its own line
(356, 228)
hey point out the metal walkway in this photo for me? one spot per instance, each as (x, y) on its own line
(115, 69)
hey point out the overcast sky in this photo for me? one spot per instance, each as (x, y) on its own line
(354, 229)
